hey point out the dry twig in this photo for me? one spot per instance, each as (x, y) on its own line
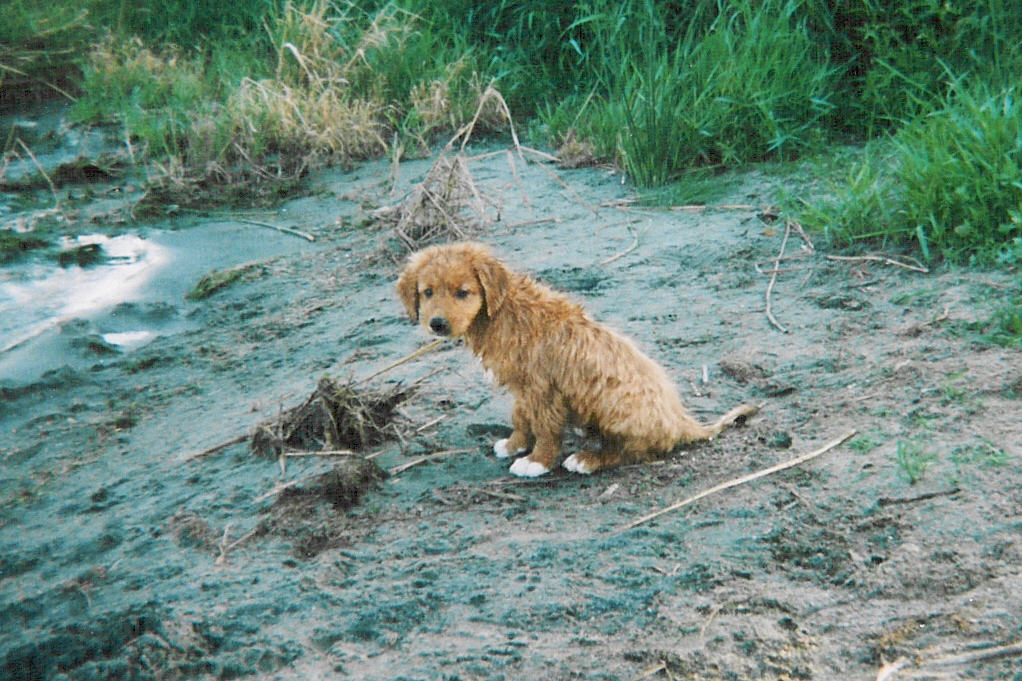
(914, 266)
(283, 230)
(397, 470)
(741, 481)
(635, 244)
(773, 279)
(407, 358)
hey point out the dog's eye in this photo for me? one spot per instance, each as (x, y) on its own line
(461, 294)
(428, 293)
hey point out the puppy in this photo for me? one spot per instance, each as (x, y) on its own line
(560, 366)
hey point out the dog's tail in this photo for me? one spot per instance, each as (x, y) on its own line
(737, 415)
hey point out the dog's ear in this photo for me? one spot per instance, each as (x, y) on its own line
(408, 288)
(494, 278)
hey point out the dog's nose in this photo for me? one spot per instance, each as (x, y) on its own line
(439, 326)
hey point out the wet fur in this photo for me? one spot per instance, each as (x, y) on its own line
(560, 366)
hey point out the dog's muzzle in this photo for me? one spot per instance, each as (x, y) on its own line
(440, 326)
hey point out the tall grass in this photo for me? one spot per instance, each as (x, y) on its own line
(749, 87)
(220, 93)
(950, 185)
(337, 84)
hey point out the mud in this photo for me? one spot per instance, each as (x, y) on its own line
(133, 545)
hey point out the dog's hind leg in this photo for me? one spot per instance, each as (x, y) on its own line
(615, 452)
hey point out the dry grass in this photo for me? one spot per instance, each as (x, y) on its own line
(337, 415)
(448, 204)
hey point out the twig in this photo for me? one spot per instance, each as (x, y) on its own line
(216, 448)
(530, 223)
(742, 480)
(53, 188)
(914, 267)
(802, 233)
(285, 230)
(887, 501)
(650, 671)
(325, 452)
(635, 244)
(498, 495)
(226, 547)
(979, 655)
(889, 669)
(397, 470)
(558, 180)
(408, 358)
(5, 67)
(277, 489)
(773, 278)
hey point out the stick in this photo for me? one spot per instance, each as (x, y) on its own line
(216, 448)
(408, 358)
(277, 489)
(917, 267)
(978, 655)
(397, 470)
(625, 252)
(326, 452)
(4, 67)
(802, 233)
(285, 230)
(889, 669)
(650, 671)
(56, 199)
(742, 480)
(773, 278)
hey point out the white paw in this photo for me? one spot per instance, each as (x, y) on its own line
(575, 466)
(525, 468)
(501, 450)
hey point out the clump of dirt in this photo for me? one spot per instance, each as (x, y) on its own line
(311, 515)
(337, 415)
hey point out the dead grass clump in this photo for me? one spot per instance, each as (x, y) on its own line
(337, 415)
(445, 206)
(448, 205)
(576, 153)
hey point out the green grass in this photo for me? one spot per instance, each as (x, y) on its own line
(251, 95)
(912, 460)
(947, 185)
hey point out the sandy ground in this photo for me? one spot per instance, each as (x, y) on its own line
(125, 555)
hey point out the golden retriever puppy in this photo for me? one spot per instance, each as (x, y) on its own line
(560, 366)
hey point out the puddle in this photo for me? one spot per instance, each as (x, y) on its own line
(135, 294)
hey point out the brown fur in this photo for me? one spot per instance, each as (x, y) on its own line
(560, 366)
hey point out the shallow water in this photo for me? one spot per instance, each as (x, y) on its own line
(136, 294)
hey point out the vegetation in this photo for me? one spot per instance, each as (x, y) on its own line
(215, 94)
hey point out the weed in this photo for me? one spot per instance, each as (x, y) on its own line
(863, 444)
(912, 461)
(1005, 327)
(984, 454)
(14, 246)
(220, 279)
(948, 185)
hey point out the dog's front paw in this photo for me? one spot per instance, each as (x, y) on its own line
(501, 450)
(576, 465)
(524, 468)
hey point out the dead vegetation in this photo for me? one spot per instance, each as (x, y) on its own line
(337, 416)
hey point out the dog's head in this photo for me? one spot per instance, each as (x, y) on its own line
(445, 288)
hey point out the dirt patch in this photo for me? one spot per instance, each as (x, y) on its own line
(123, 554)
(311, 515)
